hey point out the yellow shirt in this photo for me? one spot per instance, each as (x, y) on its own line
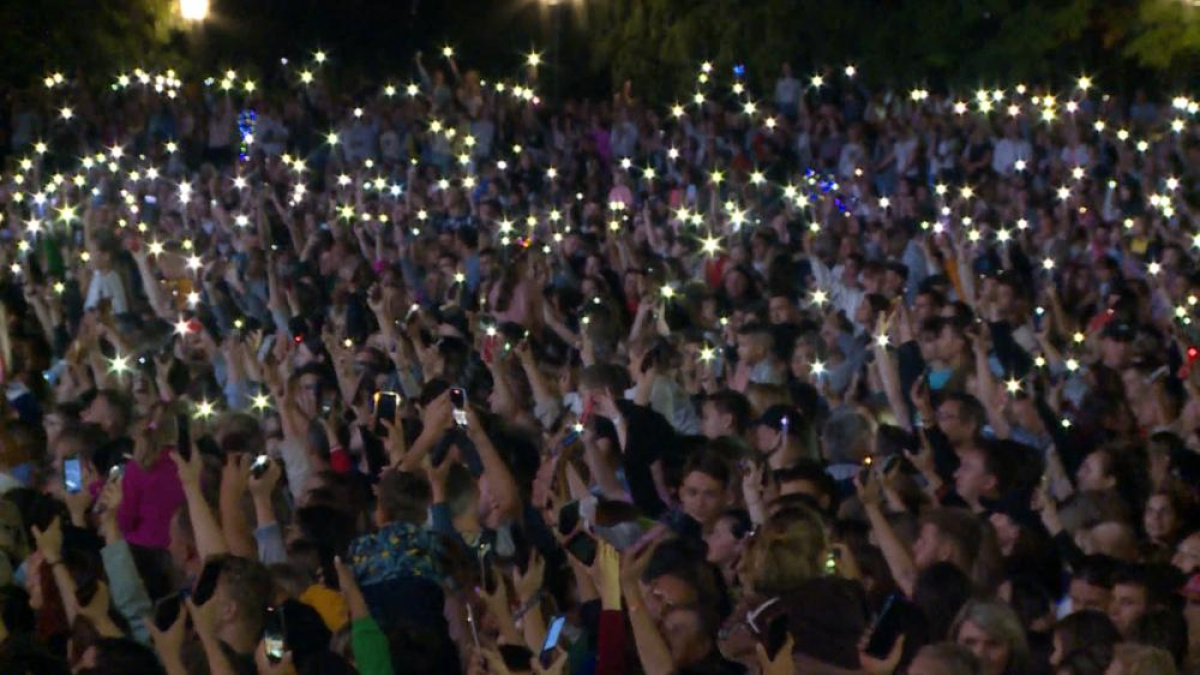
(329, 604)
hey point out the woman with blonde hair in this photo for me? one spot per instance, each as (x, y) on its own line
(787, 551)
(992, 630)
(1135, 659)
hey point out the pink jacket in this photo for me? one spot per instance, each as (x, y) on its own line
(149, 501)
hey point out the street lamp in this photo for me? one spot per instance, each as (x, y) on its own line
(193, 10)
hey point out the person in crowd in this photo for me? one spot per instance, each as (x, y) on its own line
(323, 379)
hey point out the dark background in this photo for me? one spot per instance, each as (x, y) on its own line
(591, 46)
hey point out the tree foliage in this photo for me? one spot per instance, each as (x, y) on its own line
(916, 41)
(1169, 35)
(45, 35)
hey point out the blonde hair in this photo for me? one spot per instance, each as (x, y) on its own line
(1144, 659)
(763, 396)
(1000, 622)
(787, 551)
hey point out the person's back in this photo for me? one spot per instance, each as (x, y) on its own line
(151, 495)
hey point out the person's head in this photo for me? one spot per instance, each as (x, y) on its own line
(1162, 516)
(847, 437)
(243, 594)
(940, 592)
(1187, 554)
(1130, 597)
(781, 309)
(777, 427)
(704, 492)
(677, 575)
(961, 417)
(993, 632)
(1096, 471)
(951, 342)
(807, 477)
(1088, 660)
(1081, 629)
(1134, 659)
(601, 379)
(945, 658)
(402, 497)
(690, 632)
(948, 535)
(1163, 628)
(110, 410)
(978, 475)
(787, 550)
(727, 538)
(754, 343)
(928, 304)
(725, 413)
(1091, 584)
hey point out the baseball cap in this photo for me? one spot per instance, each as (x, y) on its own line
(778, 416)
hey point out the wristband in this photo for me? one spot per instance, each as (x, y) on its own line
(529, 604)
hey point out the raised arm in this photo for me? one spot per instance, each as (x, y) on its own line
(210, 540)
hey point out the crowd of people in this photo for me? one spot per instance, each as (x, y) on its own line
(446, 377)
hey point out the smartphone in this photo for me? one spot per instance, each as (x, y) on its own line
(266, 348)
(472, 624)
(386, 403)
(889, 626)
(274, 635)
(166, 611)
(458, 398)
(776, 635)
(260, 465)
(550, 645)
(568, 518)
(206, 585)
(73, 474)
(864, 474)
(571, 438)
(583, 548)
(183, 438)
(117, 470)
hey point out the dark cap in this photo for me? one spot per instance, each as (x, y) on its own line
(778, 416)
(1119, 331)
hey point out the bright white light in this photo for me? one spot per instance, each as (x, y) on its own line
(194, 10)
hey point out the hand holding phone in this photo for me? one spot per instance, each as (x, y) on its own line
(166, 611)
(275, 635)
(458, 399)
(206, 585)
(550, 644)
(889, 626)
(260, 465)
(583, 548)
(73, 474)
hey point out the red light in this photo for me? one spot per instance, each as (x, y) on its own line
(298, 339)
(1192, 353)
